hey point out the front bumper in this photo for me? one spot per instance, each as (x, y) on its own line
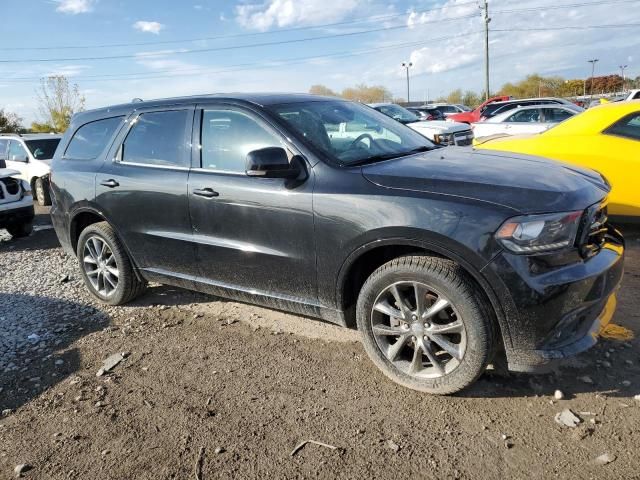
(17, 212)
(557, 303)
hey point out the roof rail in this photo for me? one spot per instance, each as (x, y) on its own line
(11, 134)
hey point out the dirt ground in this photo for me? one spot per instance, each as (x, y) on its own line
(215, 389)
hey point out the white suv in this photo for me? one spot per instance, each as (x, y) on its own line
(31, 156)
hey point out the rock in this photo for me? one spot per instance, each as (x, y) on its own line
(504, 437)
(110, 363)
(220, 450)
(6, 412)
(393, 445)
(558, 395)
(586, 379)
(64, 278)
(22, 468)
(606, 364)
(604, 459)
(34, 337)
(629, 362)
(59, 362)
(567, 418)
(626, 383)
(105, 452)
(637, 398)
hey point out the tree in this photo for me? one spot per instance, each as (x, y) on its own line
(37, 127)
(322, 90)
(365, 94)
(59, 100)
(10, 122)
(455, 96)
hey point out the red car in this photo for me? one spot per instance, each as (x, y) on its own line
(474, 115)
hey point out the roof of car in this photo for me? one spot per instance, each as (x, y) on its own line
(516, 100)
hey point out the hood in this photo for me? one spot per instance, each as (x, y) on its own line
(441, 126)
(8, 172)
(523, 183)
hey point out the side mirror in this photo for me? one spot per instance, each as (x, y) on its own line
(271, 162)
(18, 158)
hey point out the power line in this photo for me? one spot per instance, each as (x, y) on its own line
(240, 35)
(248, 66)
(567, 5)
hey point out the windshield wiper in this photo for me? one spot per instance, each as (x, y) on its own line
(389, 156)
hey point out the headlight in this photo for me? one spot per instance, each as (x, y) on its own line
(444, 138)
(539, 233)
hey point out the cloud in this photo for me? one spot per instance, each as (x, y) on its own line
(148, 27)
(74, 7)
(282, 13)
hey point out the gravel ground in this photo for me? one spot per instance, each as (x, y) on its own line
(216, 389)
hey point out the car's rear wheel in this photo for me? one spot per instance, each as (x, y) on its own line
(20, 229)
(424, 324)
(106, 268)
(42, 192)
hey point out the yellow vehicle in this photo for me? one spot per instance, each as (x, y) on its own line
(605, 138)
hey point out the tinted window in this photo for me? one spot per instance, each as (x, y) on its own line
(628, 127)
(92, 138)
(556, 115)
(227, 137)
(157, 138)
(43, 149)
(17, 152)
(3, 149)
(531, 115)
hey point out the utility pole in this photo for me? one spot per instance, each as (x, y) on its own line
(593, 69)
(407, 66)
(486, 49)
(622, 68)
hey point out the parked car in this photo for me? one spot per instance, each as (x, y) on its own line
(31, 156)
(16, 203)
(475, 114)
(440, 132)
(448, 109)
(532, 119)
(427, 113)
(436, 255)
(497, 108)
(632, 95)
(605, 138)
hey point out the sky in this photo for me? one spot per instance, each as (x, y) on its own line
(118, 50)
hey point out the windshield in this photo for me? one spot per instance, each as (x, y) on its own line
(43, 149)
(398, 113)
(350, 133)
(464, 108)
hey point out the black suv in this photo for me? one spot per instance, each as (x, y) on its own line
(444, 259)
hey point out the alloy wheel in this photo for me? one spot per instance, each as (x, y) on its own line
(100, 266)
(418, 330)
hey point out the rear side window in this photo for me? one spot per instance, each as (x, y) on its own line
(92, 138)
(531, 115)
(627, 127)
(157, 139)
(555, 115)
(3, 149)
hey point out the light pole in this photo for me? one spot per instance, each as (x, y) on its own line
(486, 19)
(407, 66)
(593, 69)
(622, 68)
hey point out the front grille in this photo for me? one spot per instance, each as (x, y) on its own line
(464, 138)
(593, 230)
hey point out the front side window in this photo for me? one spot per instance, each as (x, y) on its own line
(531, 115)
(17, 152)
(349, 133)
(43, 149)
(228, 136)
(627, 127)
(398, 113)
(556, 115)
(157, 139)
(92, 138)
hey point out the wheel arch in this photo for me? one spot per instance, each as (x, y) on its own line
(366, 259)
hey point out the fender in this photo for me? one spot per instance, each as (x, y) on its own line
(450, 250)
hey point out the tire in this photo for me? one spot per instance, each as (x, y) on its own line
(127, 285)
(462, 316)
(21, 229)
(43, 196)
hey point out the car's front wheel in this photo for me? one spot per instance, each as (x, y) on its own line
(43, 197)
(106, 268)
(424, 324)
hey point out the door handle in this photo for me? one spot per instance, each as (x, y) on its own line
(111, 183)
(205, 192)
